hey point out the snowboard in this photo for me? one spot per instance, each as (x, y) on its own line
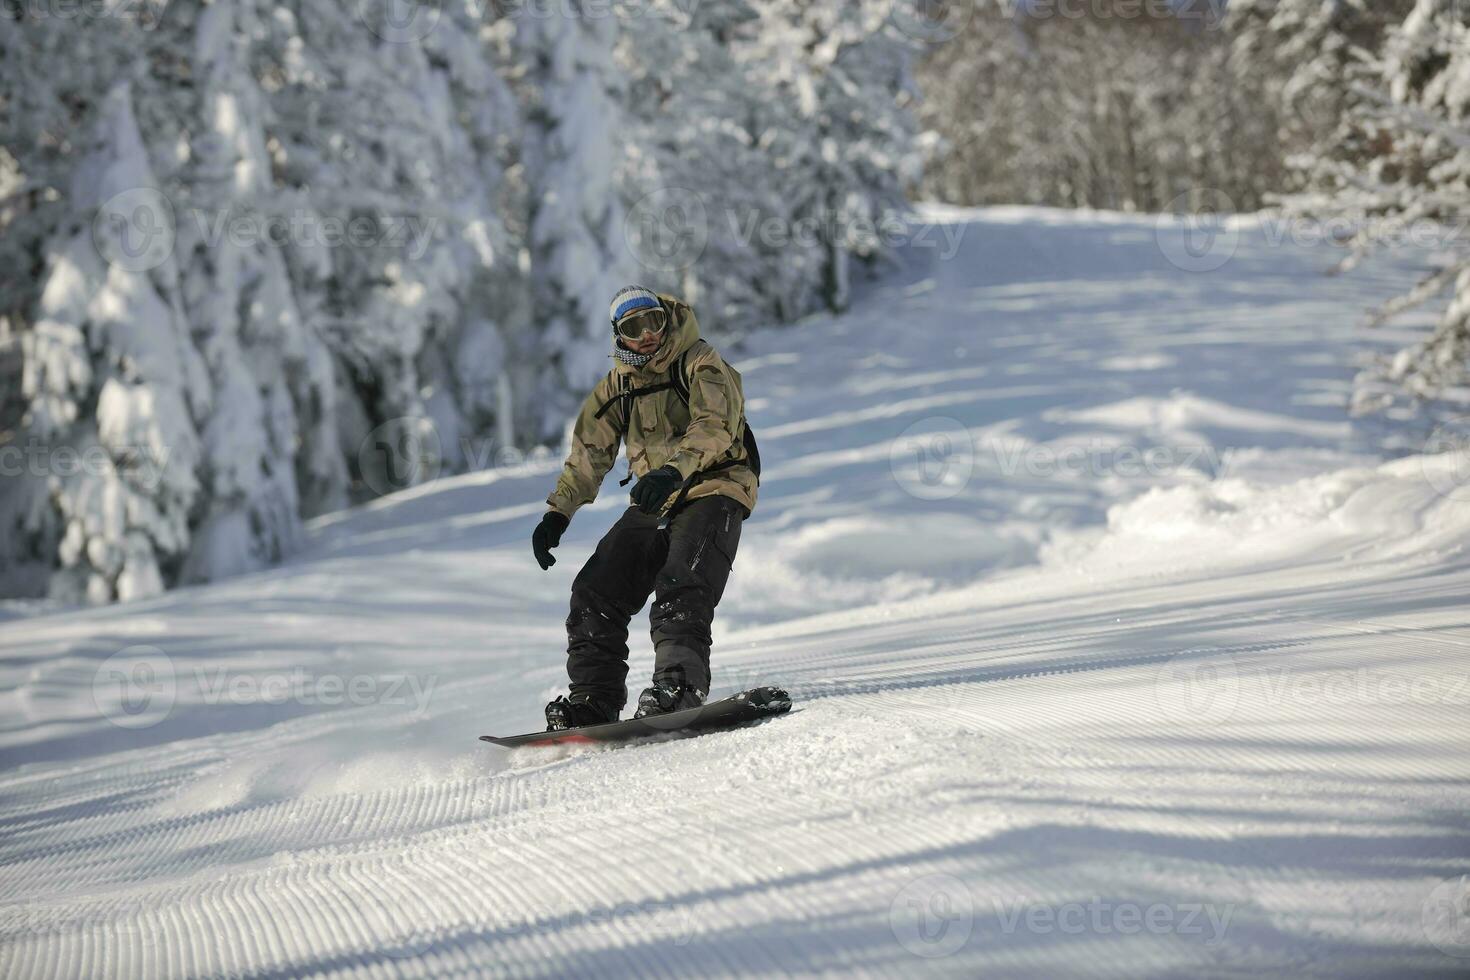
(731, 712)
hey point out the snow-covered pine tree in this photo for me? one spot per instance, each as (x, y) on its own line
(49, 121)
(1386, 92)
(113, 386)
(572, 149)
(1419, 114)
(265, 363)
(842, 72)
(221, 389)
(1303, 49)
(695, 161)
(405, 138)
(781, 133)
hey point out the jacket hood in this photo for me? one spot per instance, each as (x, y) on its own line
(683, 332)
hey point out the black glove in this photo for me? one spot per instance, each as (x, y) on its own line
(547, 536)
(650, 492)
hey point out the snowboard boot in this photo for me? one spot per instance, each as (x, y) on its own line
(663, 698)
(577, 711)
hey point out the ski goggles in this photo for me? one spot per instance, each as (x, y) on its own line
(635, 325)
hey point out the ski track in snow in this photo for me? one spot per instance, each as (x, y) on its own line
(1054, 717)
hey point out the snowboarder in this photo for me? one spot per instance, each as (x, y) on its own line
(681, 411)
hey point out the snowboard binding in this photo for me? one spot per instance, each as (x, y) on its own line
(663, 699)
(577, 711)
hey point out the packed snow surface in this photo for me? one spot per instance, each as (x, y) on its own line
(1118, 650)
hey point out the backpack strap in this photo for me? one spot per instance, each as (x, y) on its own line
(626, 396)
(620, 397)
(679, 376)
(679, 381)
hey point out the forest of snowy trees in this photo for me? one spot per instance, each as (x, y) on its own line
(242, 240)
(1350, 114)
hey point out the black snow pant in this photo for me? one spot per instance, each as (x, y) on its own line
(684, 565)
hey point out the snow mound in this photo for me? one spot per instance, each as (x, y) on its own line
(1354, 514)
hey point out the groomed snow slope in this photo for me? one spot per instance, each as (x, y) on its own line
(1119, 651)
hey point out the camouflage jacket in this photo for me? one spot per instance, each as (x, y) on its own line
(703, 439)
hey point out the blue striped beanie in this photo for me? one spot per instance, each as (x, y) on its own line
(631, 299)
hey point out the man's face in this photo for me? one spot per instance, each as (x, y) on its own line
(643, 332)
